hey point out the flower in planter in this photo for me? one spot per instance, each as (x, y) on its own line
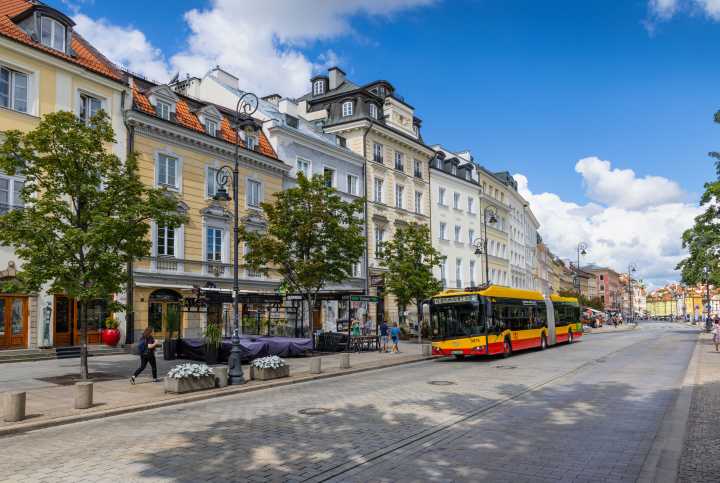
(189, 371)
(271, 362)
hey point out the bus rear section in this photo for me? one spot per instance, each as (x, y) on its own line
(568, 321)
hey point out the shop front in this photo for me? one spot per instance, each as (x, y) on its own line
(13, 322)
(67, 320)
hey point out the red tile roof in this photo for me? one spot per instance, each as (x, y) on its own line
(141, 101)
(186, 118)
(11, 8)
(265, 147)
(228, 133)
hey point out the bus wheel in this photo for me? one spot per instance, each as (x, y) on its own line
(507, 348)
(543, 342)
(569, 336)
(459, 356)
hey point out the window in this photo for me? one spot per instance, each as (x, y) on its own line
(472, 272)
(601, 277)
(504, 251)
(493, 275)
(211, 182)
(496, 194)
(347, 108)
(453, 169)
(10, 195)
(356, 269)
(14, 90)
(52, 34)
(458, 271)
(471, 236)
(399, 194)
(443, 231)
(418, 169)
(377, 153)
(602, 287)
(89, 107)
(443, 271)
(378, 191)
(418, 203)
(211, 127)
(441, 196)
(329, 175)
(505, 278)
(458, 234)
(214, 244)
(471, 204)
(379, 238)
(492, 247)
(399, 162)
(373, 111)
(438, 164)
(167, 175)
(253, 193)
(165, 240)
(352, 184)
(502, 197)
(303, 166)
(467, 174)
(163, 110)
(250, 142)
(416, 130)
(319, 87)
(503, 224)
(456, 201)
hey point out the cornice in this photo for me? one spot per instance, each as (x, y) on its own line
(320, 145)
(387, 132)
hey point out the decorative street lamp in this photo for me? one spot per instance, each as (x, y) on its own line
(479, 244)
(707, 281)
(488, 215)
(235, 372)
(581, 251)
(631, 270)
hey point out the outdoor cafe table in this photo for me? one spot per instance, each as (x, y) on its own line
(359, 343)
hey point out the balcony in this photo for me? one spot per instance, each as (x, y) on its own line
(399, 166)
(418, 173)
(253, 273)
(167, 264)
(215, 268)
(5, 208)
(378, 159)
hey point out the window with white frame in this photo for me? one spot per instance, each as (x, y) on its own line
(399, 165)
(456, 201)
(458, 234)
(492, 247)
(453, 169)
(319, 87)
(89, 107)
(379, 238)
(602, 287)
(472, 272)
(378, 190)
(303, 166)
(377, 153)
(503, 224)
(417, 169)
(253, 193)
(213, 238)
(52, 34)
(329, 175)
(250, 142)
(471, 204)
(493, 276)
(373, 111)
(163, 110)
(10, 194)
(458, 270)
(167, 170)
(504, 251)
(505, 278)
(399, 196)
(439, 164)
(356, 270)
(467, 175)
(443, 271)
(352, 184)
(418, 203)
(165, 240)
(211, 127)
(441, 196)
(471, 236)
(14, 89)
(347, 108)
(211, 182)
(416, 130)
(443, 231)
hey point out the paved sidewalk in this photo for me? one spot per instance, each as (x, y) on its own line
(46, 401)
(701, 451)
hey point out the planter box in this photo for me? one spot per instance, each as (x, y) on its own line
(265, 374)
(179, 386)
(404, 337)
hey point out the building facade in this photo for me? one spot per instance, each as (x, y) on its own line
(607, 285)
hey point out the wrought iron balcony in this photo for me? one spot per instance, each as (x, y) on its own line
(399, 166)
(378, 159)
(6, 208)
(418, 173)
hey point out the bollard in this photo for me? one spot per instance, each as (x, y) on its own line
(426, 350)
(83, 395)
(315, 365)
(221, 375)
(345, 360)
(14, 406)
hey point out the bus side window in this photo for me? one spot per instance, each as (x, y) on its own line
(542, 317)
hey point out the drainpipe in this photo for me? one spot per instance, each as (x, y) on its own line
(129, 317)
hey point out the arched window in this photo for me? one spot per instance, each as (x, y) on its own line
(319, 87)
(347, 108)
(373, 111)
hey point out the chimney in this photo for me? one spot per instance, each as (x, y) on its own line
(288, 106)
(226, 78)
(337, 77)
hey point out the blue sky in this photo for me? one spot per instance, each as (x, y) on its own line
(529, 87)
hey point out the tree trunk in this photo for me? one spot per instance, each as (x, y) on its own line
(83, 341)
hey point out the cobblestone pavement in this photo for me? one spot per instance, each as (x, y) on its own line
(701, 452)
(582, 412)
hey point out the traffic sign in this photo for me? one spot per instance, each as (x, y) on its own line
(697, 307)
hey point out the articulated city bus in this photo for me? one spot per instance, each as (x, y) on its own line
(500, 320)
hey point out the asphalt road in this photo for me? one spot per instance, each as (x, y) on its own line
(588, 411)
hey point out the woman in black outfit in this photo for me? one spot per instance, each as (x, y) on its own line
(147, 355)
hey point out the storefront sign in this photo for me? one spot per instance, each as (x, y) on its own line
(377, 281)
(361, 298)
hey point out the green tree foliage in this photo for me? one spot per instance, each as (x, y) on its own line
(314, 238)
(86, 212)
(596, 303)
(705, 233)
(410, 258)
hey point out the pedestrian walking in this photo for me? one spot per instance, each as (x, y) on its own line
(395, 335)
(614, 322)
(716, 335)
(146, 346)
(368, 326)
(384, 337)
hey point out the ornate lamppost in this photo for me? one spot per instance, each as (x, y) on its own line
(581, 251)
(631, 270)
(704, 240)
(235, 372)
(488, 216)
(479, 244)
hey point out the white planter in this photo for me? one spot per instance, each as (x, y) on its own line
(265, 374)
(179, 386)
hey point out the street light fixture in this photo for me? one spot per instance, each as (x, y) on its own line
(488, 216)
(631, 270)
(581, 251)
(479, 244)
(235, 372)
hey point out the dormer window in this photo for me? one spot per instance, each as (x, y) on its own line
(439, 164)
(453, 169)
(163, 110)
(211, 127)
(347, 108)
(52, 34)
(250, 142)
(416, 130)
(319, 88)
(373, 111)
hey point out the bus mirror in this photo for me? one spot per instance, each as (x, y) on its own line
(420, 308)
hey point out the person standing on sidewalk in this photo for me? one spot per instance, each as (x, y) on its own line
(147, 354)
(384, 337)
(395, 335)
(716, 335)
(368, 326)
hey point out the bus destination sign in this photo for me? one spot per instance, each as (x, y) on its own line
(456, 299)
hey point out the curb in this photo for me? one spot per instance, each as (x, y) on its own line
(78, 418)
(614, 331)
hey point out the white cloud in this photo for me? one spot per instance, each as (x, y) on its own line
(663, 10)
(259, 42)
(618, 232)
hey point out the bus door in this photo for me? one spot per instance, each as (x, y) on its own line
(552, 340)
(495, 328)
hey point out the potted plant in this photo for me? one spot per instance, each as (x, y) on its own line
(189, 377)
(212, 337)
(171, 321)
(111, 334)
(403, 334)
(271, 367)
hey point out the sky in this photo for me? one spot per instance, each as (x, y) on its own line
(601, 109)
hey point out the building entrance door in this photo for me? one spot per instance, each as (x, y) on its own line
(13, 322)
(64, 316)
(158, 303)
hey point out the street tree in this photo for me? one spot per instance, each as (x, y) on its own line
(313, 237)
(86, 213)
(410, 258)
(596, 303)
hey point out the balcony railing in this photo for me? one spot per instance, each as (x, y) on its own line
(378, 159)
(167, 264)
(5, 208)
(399, 166)
(253, 273)
(418, 173)
(215, 268)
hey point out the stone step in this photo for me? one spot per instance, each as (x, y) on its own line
(72, 352)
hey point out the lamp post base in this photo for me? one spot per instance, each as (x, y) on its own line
(235, 372)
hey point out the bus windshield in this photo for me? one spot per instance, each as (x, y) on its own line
(455, 320)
